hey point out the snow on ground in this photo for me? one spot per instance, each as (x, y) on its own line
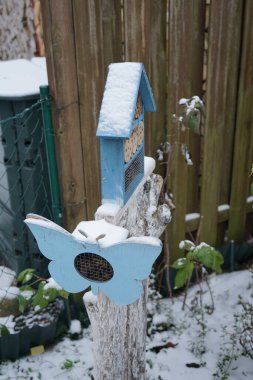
(73, 359)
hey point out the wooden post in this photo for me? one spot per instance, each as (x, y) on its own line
(119, 332)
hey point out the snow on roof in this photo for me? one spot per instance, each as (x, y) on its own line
(120, 96)
(21, 78)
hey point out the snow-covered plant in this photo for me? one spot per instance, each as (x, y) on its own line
(237, 340)
(229, 352)
(157, 319)
(199, 257)
(37, 292)
(189, 119)
(244, 321)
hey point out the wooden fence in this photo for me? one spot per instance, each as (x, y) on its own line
(188, 48)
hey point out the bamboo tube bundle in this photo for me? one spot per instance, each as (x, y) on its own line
(127, 151)
(140, 133)
(134, 138)
(131, 144)
(138, 109)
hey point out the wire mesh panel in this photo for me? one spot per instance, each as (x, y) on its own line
(93, 267)
(24, 181)
(133, 173)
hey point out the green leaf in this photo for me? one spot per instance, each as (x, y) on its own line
(22, 303)
(26, 275)
(4, 330)
(180, 263)
(39, 299)
(25, 288)
(251, 188)
(68, 364)
(184, 274)
(63, 294)
(193, 121)
(204, 256)
(210, 258)
(186, 245)
(50, 294)
(217, 262)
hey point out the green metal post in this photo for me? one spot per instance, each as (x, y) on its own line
(50, 147)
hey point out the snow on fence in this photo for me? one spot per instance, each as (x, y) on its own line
(89, 35)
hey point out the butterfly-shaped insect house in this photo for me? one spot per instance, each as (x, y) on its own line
(96, 254)
(127, 96)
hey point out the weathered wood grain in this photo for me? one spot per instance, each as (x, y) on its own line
(61, 64)
(137, 30)
(112, 31)
(90, 73)
(158, 75)
(186, 30)
(222, 71)
(243, 147)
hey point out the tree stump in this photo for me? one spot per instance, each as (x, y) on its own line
(119, 332)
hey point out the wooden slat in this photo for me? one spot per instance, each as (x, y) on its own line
(91, 77)
(158, 76)
(137, 31)
(185, 28)
(112, 31)
(243, 147)
(223, 50)
(61, 65)
(137, 45)
(223, 216)
(198, 15)
(145, 41)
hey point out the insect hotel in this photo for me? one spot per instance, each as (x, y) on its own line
(120, 129)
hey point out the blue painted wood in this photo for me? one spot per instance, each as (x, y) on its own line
(131, 261)
(146, 93)
(112, 171)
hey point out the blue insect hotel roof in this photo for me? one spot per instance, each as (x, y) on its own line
(125, 81)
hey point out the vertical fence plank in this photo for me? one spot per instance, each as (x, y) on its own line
(90, 72)
(61, 65)
(137, 44)
(158, 75)
(223, 50)
(112, 31)
(196, 76)
(186, 30)
(243, 149)
(145, 41)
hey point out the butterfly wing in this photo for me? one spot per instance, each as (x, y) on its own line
(122, 290)
(54, 242)
(134, 257)
(61, 247)
(132, 262)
